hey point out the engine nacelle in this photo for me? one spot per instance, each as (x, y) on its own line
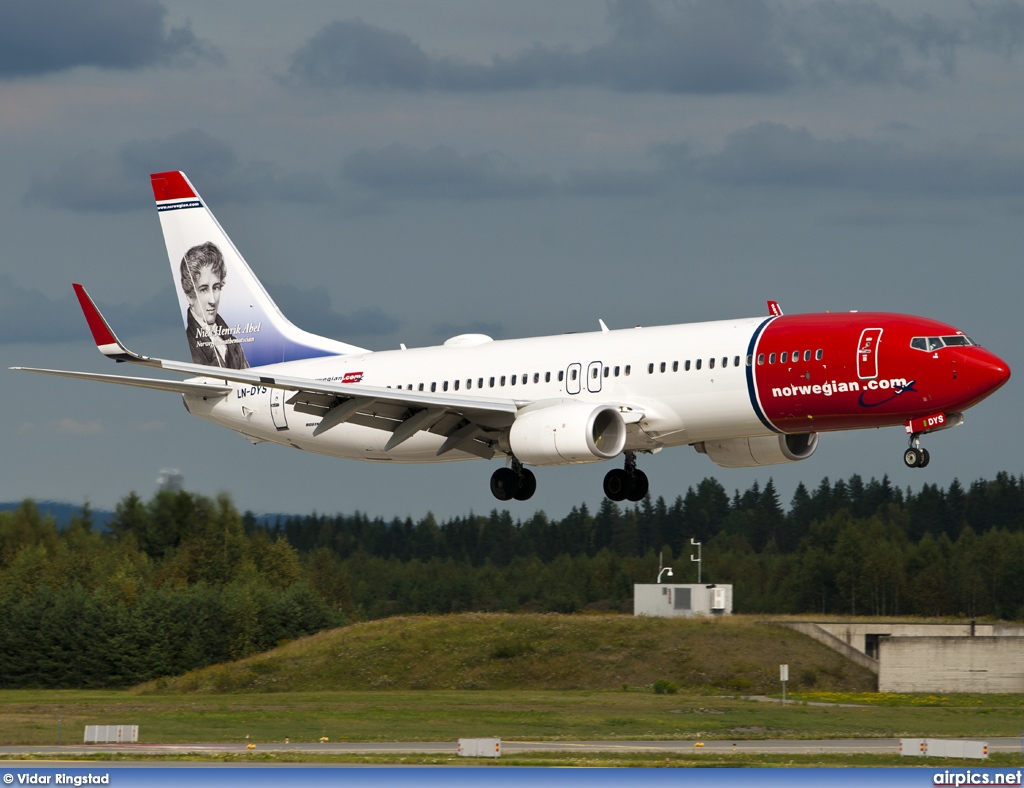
(567, 433)
(769, 450)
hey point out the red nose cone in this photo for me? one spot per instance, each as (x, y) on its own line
(984, 372)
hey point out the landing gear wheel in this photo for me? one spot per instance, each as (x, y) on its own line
(617, 484)
(925, 458)
(915, 458)
(505, 484)
(527, 484)
(640, 487)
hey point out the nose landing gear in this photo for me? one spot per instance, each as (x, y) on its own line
(626, 483)
(515, 482)
(915, 456)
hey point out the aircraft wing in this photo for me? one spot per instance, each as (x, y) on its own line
(464, 422)
(178, 386)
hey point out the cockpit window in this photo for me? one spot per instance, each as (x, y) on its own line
(934, 343)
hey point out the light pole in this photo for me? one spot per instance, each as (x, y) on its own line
(696, 544)
(662, 570)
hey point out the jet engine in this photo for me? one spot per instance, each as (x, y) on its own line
(566, 433)
(769, 450)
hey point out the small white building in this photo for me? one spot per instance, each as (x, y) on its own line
(674, 600)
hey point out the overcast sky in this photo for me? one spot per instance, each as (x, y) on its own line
(400, 171)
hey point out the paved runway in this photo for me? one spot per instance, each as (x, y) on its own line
(508, 747)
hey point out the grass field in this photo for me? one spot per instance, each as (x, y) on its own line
(30, 717)
(525, 678)
(477, 651)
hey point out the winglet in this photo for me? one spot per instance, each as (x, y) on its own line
(106, 341)
(774, 309)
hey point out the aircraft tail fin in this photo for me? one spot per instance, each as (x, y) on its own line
(230, 319)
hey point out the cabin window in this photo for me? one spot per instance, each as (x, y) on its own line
(626, 370)
(725, 361)
(421, 387)
(818, 354)
(606, 371)
(795, 356)
(662, 366)
(433, 387)
(593, 373)
(686, 365)
(561, 376)
(469, 383)
(807, 355)
(771, 358)
(783, 357)
(492, 383)
(536, 377)
(760, 359)
(513, 380)
(697, 365)
(444, 386)
(675, 366)
(711, 363)
(650, 369)
(736, 361)
(572, 375)
(502, 380)
(547, 377)
(616, 372)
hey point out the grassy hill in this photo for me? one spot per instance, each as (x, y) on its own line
(495, 651)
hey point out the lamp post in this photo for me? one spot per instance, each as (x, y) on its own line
(663, 569)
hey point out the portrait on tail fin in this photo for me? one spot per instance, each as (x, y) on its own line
(202, 279)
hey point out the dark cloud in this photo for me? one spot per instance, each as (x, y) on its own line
(1001, 25)
(690, 47)
(776, 156)
(45, 36)
(31, 316)
(367, 56)
(311, 310)
(401, 171)
(95, 182)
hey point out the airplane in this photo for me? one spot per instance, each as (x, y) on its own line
(745, 392)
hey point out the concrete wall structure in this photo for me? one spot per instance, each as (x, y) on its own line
(921, 657)
(671, 600)
(865, 636)
(951, 664)
(844, 647)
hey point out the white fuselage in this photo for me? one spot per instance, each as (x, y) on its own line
(689, 381)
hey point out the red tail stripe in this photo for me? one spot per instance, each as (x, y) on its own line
(171, 186)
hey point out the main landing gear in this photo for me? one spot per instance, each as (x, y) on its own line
(915, 456)
(515, 482)
(627, 483)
